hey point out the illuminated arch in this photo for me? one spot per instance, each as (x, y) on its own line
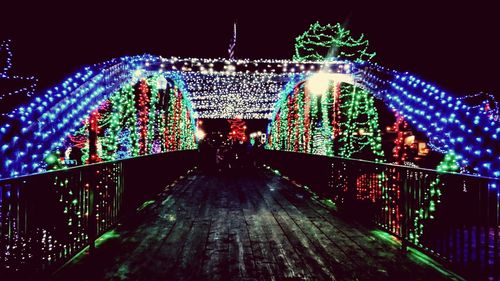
(43, 126)
(450, 124)
(322, 114)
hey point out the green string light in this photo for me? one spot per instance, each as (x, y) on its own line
(359, 135)
(360, 127)
(329, 42)
(134, 118)
(432, 197)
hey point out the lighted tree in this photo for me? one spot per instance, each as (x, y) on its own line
(360, 132)
(94, 130)
(143, 120)
(330, 42)
(432, 196)
(320, 127)
(123, 115)
(237, 129)
(398, 153)
(318, 142)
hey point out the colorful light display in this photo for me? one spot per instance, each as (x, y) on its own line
(328, 114)
(342, 121)
(360, 132)
(136, 123)
(141, 105)
(34, 130)
(399, 152)
(448, 122)
(51, 220)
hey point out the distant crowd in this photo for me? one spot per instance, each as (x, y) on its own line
(223, 156)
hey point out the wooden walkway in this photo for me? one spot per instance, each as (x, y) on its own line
(250, 227)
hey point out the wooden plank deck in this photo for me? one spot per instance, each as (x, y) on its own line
(255, 226)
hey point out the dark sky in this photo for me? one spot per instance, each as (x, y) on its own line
(452, 45)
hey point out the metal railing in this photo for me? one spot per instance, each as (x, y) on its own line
(47, 218)
(452, 217)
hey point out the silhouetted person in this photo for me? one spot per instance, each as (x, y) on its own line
(76, 154)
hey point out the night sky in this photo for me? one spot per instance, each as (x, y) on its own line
(453, 46)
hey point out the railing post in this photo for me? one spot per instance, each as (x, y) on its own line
(404, 209)
(351, 173)
(92, 223)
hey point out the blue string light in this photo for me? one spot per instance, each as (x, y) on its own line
(449, 123)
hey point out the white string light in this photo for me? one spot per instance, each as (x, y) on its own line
(249, 96)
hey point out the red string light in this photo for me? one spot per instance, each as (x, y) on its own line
(237, 129)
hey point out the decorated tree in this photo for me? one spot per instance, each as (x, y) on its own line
(330, 42)
(321, 115)
(360, 135)
(237, 129)
(318, 145)
(432, 196)
(399, 153)
(142, 103)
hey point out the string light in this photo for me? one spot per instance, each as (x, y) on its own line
(4, 74)
(26, 247)
(144, 120)
(40, 127)
(330, 43)
(399, 153)
(487, 103)
(431, 197)
(237, 129)
(448, 122)
(5, 48)
(33, 130)
(250, 96)
(303, 124)
(147, 104)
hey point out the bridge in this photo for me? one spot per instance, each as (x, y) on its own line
(323, 202)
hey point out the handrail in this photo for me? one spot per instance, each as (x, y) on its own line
(454, 218)
(2, 180)
(393, 165)
(47, 218)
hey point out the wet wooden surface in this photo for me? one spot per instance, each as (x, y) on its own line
(252, 226)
